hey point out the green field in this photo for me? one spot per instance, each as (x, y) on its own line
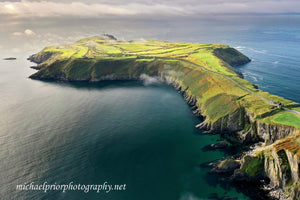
(287, 118)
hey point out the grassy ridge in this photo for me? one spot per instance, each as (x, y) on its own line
(205, 69)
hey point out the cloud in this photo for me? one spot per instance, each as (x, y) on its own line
(32, 40)
(95, 9)
(27, 33)
(149, 80)
(17, 34)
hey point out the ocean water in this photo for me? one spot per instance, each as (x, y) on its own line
(120, 133)
(275, 67)
(127, 132)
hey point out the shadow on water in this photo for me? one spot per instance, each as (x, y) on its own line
(97, 85)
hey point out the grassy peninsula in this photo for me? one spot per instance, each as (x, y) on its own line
(203, 71)
(205, 75)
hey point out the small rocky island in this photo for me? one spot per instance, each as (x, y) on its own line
(10, 58)
(204, 74)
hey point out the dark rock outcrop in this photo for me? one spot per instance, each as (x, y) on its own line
(35, 67)
(226, 166)
(251, 170)
(10, 58)
(231, 56)
(40, 58)
(219, 145)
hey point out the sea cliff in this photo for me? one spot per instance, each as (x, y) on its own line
(205, 75)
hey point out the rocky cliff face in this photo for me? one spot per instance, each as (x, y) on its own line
(231, 123)
(279, 164)
(239, 121)
(282, 169)
(271, 133)
(277, 168)
(231, 56)
(40, 58)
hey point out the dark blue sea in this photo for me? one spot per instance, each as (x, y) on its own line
(128, 132)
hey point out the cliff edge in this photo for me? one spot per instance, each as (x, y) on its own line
(203, 73)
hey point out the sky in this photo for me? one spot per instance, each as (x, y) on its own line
(105, 8)
(32, 24)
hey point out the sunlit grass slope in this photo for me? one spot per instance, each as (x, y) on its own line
(205, 70)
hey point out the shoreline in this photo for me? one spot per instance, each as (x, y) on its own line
(216, 93)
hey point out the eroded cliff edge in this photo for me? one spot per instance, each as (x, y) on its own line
(203, 73)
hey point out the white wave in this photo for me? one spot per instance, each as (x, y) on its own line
(271, 32)
(255, 77)
(258, 51)
(240, 47)
(276, 62)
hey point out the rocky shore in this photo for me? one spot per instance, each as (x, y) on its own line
(226, 103)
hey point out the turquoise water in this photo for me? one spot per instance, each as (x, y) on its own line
(128, 133)
(121, 133)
